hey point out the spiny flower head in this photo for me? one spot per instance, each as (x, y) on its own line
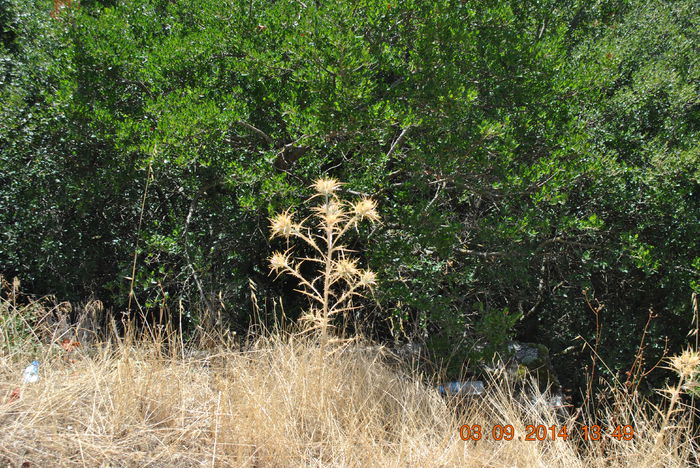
(279, 261)
(366, 209)
(368, 278)
(331, 212)
(686, 364)
(346, 269)
(282, 225)
(326, 186)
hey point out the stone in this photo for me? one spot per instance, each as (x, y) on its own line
(534, 359)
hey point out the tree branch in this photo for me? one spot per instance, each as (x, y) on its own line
(397, 142)
(257, 131)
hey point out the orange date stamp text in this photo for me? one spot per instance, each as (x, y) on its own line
(541, 432)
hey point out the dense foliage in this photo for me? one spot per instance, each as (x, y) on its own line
(533, 160)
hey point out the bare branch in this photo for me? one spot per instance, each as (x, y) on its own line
(259, 132)
(397, 142)
(481, 254)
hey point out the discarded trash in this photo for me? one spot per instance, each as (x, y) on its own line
(69, 345)
(31, 373)
(471, 387)
(14, 396)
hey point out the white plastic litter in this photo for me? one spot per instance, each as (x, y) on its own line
(31, 373)
(470, 388)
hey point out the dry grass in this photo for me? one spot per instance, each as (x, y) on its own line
(286, 401)
(279, 404)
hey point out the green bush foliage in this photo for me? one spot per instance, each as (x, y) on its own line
(521, 153)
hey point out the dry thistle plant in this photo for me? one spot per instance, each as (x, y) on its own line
(339, 278)
(687, 366)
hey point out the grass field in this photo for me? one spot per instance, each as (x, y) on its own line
(151, 401)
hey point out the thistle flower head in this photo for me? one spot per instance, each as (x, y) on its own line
(686, 364)
(325, 186)
(366, 209)
(331, 212)
(368, 278)
(282, 225)
(346, 269)
(279, 261)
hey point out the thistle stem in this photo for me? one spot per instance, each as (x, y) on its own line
(327, 281)
(675, 394)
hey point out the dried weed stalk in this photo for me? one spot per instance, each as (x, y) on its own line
(338, 278)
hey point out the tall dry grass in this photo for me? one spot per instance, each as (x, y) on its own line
(148, 399)
(152, 402)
